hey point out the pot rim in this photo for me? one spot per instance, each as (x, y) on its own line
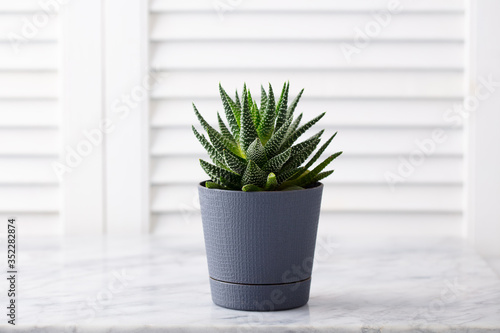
(316, 187)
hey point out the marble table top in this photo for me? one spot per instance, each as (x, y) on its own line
(160, 284)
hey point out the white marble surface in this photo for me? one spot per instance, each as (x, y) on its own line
(358, 286)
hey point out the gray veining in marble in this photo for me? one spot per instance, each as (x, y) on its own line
(160, 284)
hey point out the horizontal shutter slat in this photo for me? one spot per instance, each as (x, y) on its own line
(25, 84)
(320, 5)
(22, 28)
(29, 199)
(301, 26)
(341, 198)
(306, 55)
(36, 142)
(27, 170)
(329, 84)
(26, 113)
(31, 56)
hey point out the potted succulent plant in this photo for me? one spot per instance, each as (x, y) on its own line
(260, 208)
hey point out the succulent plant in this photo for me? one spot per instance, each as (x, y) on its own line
(257, 152)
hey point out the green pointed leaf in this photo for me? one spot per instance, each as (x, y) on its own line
(275, 142)
(254, 175)
(293, 105)
(307, 179)
(285, 175)
(202, 120)
(220, 175)
(266, 126)
(301, 130)
(301, 151)
(306, 144)
(271, 102)
(251, 188)
(219, 142)
(293, 126)
(215, 185)
(257, 153)
(254, 110)
(321, 176)
(319, 152)
(282, 106)
(249, 96)
(277, 107)
(244, 96)
(298, 175)
(271, 182)
(224, 131)
(237, 99)
(235, 163)
(297, 159)
(232, 112)
(248, 132)
(275, 163)
(212, 152)
(263, 98)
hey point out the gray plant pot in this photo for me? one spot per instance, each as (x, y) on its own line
(260, 246)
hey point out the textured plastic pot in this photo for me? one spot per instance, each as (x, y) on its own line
(260, 246)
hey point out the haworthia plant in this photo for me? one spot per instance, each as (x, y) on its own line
(256, 151)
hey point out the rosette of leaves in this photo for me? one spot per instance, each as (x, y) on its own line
(257, 150)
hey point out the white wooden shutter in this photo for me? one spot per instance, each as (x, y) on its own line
(394, 92)
(29, 116)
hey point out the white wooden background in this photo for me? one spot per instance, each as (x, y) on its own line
(29, 120)
(393, 92)
(144, 177)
